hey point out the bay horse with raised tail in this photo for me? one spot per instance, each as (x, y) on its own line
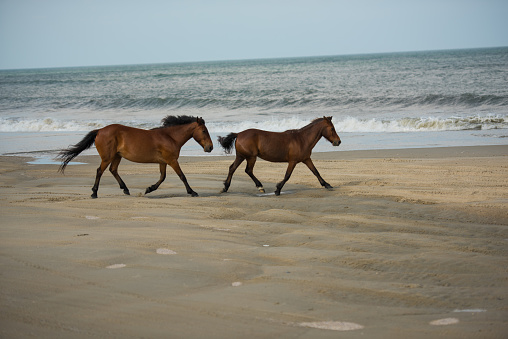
(159, 145)
(292, 146)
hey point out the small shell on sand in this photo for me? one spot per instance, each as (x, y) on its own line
(165, 251)
(116, 266)
(445, 321)
(236, 284)
(333, 325)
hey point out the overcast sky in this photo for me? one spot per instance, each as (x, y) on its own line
(61, 33)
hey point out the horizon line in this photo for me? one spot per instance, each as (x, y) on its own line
(248, 59)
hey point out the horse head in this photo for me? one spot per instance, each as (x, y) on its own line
(202, 136)
(329, 132)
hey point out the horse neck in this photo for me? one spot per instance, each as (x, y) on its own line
(312, 133)
(180, 133)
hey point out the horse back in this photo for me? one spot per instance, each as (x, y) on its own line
(117, 134)
(269, 146)
(134, 144)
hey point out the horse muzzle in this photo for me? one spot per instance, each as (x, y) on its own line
(208, 149)
(336, 143)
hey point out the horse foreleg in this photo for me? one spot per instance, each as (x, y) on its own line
(162, 168)
(291, 167)
(176, 166)
(114, 170)
(232, 170)
(100, 171)
(313, 169)
(249, 170)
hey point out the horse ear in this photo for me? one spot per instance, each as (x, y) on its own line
(327, 118)
(330, 118)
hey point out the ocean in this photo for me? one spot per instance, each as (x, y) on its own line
(377, 101)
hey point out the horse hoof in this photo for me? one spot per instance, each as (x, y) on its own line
(261, 190)
(194, 194)
(328, 187)
(126, 192)
(94, 196)
(277, 193)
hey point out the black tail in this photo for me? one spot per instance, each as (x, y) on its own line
(73, 151)
(227, 142)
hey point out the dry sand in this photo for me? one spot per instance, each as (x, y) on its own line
(410, 244)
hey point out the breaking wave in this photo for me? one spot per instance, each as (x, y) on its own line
(346, 124)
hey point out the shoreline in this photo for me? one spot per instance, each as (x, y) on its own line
(409, 243)
(44, 144)
(417, 152)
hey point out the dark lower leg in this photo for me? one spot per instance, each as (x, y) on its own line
(313, 169)
(232, 170)
(155, 186)
(95, 187)
(174, 164)
(249, 170)
(114, 170)
(187, 186)
(281, 184)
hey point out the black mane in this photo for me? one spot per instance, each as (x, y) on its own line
(172, 120)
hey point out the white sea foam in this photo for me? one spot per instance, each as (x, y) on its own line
(165, 251)
(116, 266)
(354, 124)
(444, 321)
(47, 125)
(377, 134)
(332, 325)
(344, 124)
(49, 161)
(273, 193)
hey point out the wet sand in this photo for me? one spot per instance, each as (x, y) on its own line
(410, 244)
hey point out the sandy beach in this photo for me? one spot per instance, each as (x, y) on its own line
(410, 243)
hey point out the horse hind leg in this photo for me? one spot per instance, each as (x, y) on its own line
(232, 170)
(114, 170)
(155, 186)
(249, 170)
(100, 171)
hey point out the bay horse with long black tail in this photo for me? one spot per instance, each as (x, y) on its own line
(159, 145)
(292, 146)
